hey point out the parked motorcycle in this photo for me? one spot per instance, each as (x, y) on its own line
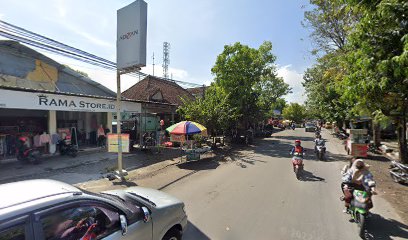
(25, 154)
(66, 148)
(297, 162)
(399, 172)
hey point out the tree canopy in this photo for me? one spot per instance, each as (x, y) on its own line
(294, 112)
(245, 91)
(364, 69)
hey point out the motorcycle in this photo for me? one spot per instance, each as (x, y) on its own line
(28, 155)
(399, 172)
(317, 133)
(359, 210)
(320, 152)
(297, 162)
(293, 127)
(67, 148)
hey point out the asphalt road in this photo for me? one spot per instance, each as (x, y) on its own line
(258, 197)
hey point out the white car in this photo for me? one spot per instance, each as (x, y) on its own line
(48, 209)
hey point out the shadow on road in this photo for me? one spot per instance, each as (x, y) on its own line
(205, 164)
(332, 157)
(194, 233)
(293, 138)
(310, 177)
(273, 148)
(124, 183)
(381, 228)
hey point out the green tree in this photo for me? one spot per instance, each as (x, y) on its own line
(294, 112)
(248, 76)
(377, 61)
(213, 111)
(321, 85)
(331, 22)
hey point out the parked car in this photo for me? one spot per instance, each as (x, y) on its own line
(48, 209)
(310, 127)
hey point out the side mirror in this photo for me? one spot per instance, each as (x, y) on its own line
(123, 224)
(146, 214)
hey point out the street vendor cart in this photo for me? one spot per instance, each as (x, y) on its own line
(357, 144)
(183, 132)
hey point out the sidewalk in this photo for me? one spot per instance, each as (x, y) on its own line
(390, 149)
(86, 166)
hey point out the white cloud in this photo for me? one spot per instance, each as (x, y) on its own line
(294, 79)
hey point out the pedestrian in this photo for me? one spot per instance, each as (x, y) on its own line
(101, 136)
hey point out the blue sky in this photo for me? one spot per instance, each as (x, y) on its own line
(197, 31)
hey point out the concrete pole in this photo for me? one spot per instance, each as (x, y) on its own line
(52, 128)
(109, 121)
(118, 120)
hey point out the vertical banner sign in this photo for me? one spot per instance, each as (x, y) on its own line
(131, 35)
(113, 142)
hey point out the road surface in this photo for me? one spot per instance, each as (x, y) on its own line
(258, 197)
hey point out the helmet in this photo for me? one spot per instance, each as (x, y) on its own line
(360, 164)
(297, 142)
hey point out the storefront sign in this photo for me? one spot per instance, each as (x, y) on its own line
(113, 142)
(41, 101)
(131, 35)
(177, 138)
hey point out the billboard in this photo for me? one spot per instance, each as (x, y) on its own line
(131, 35)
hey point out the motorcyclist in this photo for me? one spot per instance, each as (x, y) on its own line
(358, 177)
(319, 141)
(298, 150)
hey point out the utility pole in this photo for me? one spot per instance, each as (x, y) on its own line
(118, 125)
(153, 64)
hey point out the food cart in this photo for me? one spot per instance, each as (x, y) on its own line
(357, 145)
(183, 132)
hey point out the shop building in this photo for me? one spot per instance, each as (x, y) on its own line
(40, 99)
(164, 96)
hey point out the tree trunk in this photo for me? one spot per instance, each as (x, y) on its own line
(402, 139)
(376, 134)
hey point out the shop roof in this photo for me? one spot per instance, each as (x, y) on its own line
(151, 87)
(19, 66)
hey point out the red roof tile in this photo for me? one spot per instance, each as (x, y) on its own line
(146, 88)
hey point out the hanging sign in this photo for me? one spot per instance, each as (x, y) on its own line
(113, 142)
(177, 138)
(131, 35)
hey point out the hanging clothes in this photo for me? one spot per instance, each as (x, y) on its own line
(37, 141)
(44, 138)
(55, 138)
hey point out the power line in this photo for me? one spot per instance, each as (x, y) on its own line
(47, 44)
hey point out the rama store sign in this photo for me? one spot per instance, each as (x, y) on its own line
(36, 101)
(50, 101)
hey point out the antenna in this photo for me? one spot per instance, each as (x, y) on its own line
(153, 64)
(166, 59)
